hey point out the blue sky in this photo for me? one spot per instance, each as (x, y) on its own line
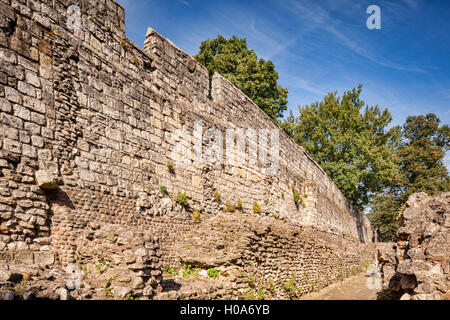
(320, 46)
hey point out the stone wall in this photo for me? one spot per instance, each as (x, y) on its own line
(417, 266)
(85, 121)
(112, 262)
(264, 257)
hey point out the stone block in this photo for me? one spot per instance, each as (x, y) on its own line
(46, 179)
(33, 79)
(13, 95)
(44, 258)
(8, 56)
(24, 258)
(87, 175)
(26, 89)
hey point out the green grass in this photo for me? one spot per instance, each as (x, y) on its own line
(109, 293)
(290, 287)
(251, 281)
(100, 265)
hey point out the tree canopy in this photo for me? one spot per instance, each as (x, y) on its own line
(421, 154)
(257, 78)
(351, 143)
(420, 159)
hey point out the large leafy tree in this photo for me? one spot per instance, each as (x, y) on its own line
(420, 156)
(384, 215)
(351, 142)
(423, 148)
(257, 78)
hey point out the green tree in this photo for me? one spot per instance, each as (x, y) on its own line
(420, 157)
(257, 78)
(422, 151)
(288, 125)
(353, 147)
(384, 215)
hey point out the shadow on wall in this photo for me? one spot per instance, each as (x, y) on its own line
(360, 229)
(360, 225)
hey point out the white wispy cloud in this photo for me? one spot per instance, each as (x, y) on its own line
(364, 52)
(301, 83)
(414, 4)
(185, 2)
(273, 45)
(318, 17)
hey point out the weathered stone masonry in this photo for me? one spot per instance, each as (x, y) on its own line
(417, 266)
(89, 111)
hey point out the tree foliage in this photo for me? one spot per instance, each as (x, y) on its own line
(384, 215)
(420, 157)
(351, 143)
(257, 78)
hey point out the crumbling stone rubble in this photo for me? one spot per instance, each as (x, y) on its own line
(417, 266)
(112, 262)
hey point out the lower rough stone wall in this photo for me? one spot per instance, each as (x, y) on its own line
(263, 257)
(231, 255)
(110, 262)
(417, 266)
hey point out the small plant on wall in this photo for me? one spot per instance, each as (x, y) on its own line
(163, 190)
(135, 61)
(170, 167)
(239, 205)
(297, 198)
(217, 196)
(290, 288)
(196, 217)
(256, 207)
(124, 45)
(213, 273)
(230, 207)
(296, 194)
(182, 199)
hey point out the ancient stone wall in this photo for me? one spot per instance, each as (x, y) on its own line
(264, 257)
(417, 266)
(86, 118)
(112, 262)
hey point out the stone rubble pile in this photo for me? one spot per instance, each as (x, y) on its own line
(112, 262)
(417, 266)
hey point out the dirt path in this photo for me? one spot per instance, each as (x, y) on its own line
(359, 287)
